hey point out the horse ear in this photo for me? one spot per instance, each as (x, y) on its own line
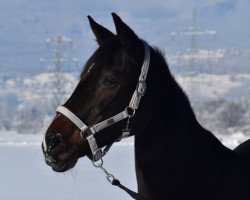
(102, 34)
(125, 34)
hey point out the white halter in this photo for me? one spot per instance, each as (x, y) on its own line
(133, 105)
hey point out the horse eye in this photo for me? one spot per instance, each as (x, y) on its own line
(109, 80)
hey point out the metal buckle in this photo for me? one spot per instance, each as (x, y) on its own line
(84, 134)
(98, 164)
(97, 155)
(141, 88)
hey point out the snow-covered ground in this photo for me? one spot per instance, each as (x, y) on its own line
(24, 175)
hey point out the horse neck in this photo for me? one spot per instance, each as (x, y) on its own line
(168, 105)
(166, 117)
(173, 146)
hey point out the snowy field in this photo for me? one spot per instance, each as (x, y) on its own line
(25, 176)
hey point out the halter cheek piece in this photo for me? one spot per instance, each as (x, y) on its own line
(90, 131)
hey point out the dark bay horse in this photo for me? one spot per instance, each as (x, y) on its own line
(176, 158)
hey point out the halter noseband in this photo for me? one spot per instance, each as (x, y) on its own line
(133, 105)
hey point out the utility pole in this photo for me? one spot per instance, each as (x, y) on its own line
(57, 65)
(192, 54)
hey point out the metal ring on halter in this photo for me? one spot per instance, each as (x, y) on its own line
(98, 163)
(131, 111)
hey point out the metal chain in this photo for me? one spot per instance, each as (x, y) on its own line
(115, 182)
(109, 177)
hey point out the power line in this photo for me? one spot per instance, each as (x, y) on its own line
(191, 79)
(56, 64)
(59, 56)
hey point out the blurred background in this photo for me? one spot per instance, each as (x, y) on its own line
(44, 45)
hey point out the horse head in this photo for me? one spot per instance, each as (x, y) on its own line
(106, 86)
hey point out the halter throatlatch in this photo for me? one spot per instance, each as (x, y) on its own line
(129, 112)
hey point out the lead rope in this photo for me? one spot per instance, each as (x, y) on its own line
(116, 182)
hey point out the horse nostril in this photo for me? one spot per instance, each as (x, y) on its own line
(55, 141)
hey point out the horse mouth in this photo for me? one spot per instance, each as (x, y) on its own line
(63, 165)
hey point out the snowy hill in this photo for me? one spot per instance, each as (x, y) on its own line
(221, 102)
(211, 86)
(28, 104)
(31, 102)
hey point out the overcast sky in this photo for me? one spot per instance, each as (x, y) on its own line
(155, 20)
(25, 24)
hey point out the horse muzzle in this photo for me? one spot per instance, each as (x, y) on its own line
(58, 155)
